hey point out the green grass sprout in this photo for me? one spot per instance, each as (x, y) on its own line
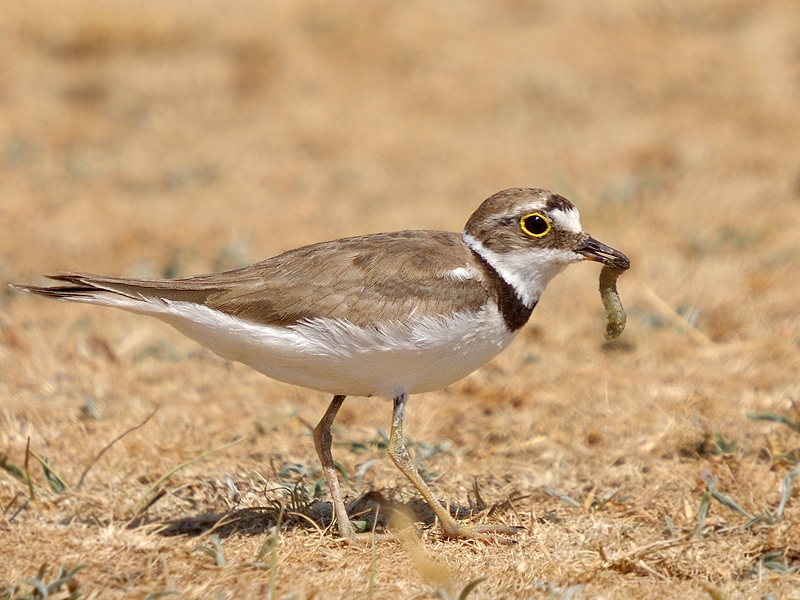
(171, 472)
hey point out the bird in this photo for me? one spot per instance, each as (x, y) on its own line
(384, 314)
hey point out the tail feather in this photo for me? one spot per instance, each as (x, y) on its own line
(100, 289)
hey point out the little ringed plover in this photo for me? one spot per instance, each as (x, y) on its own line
(388, 314)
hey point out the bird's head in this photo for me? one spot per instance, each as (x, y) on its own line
(530, 235)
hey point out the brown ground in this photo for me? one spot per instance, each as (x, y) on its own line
(153, 138)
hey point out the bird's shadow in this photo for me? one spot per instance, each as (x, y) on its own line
(370, 512)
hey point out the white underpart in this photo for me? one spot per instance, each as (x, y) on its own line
(421, 354)
(527, 271)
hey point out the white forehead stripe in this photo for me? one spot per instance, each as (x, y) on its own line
(569, 220)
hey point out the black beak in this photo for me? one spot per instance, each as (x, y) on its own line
(594, 250)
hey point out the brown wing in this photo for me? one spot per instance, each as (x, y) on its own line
(362, 279)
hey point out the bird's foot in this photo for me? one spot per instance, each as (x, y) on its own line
(453, 531)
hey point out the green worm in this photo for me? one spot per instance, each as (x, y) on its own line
(615, 313)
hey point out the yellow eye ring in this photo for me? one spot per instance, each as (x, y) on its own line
(535, 225)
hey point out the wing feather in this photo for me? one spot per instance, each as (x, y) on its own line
(363, 280)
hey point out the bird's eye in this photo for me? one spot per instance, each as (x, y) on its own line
(535, 224)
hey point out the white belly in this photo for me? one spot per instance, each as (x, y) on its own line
(334, 356)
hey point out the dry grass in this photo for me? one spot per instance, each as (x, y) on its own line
(176, 138)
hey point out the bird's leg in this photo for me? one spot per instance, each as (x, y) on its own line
(400, 457)
(322, 442)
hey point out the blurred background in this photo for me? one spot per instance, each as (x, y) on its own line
(139, 136)
(159, 139)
